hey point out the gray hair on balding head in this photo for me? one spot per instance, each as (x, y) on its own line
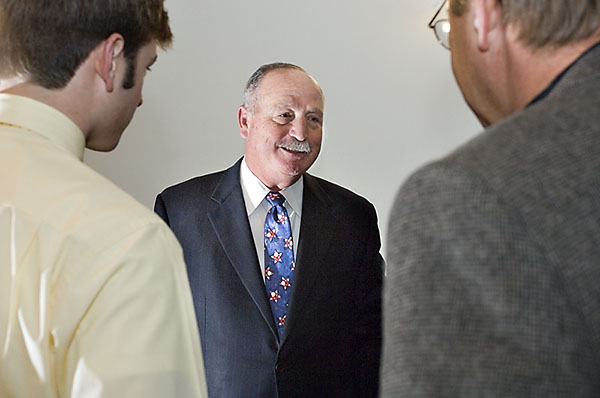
(256, 78)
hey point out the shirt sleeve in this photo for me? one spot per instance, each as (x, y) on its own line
(138, 337)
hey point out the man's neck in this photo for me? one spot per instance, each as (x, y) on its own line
(8, 82)
(63, 100)
(533, 70)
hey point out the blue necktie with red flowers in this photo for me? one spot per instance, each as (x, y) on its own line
(279, 258)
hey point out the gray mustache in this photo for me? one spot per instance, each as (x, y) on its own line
(295, 146)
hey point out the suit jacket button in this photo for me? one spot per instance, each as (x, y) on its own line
(278, 367)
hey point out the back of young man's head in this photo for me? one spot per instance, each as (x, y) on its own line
(45, 41)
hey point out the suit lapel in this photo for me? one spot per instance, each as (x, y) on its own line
(316, 209)
(232, 228)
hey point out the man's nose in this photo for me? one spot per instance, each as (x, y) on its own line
(299, 130)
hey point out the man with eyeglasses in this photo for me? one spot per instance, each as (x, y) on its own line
(493, 252)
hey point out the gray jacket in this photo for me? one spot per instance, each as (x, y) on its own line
(493, 281)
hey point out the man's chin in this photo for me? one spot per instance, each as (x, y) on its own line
(105, 145)
(294, 169)
(295, 163)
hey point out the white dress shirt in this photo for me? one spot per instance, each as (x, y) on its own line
(257, 207)
(94, 296)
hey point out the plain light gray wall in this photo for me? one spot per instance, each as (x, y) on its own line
(391, 101)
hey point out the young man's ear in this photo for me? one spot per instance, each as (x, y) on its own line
(109, 51)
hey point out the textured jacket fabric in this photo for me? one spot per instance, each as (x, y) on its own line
(331, 343)
(493, 273)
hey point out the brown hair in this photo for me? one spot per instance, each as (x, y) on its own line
(457, 7)
(552, 22)
(46, 40)
(545, 23)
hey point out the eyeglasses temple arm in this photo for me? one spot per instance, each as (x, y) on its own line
(431, 24)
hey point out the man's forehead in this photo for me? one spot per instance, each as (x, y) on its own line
(287, 80)
(148, 52)
(288, 90)
(292, 99)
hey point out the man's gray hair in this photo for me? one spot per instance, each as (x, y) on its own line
(256, 78)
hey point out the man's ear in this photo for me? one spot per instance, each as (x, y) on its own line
(110, 50)
(243, 116)
(488, 16)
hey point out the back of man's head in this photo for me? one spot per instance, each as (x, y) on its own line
(45, 41)
(551, 23)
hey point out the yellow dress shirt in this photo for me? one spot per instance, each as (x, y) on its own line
(94, 295)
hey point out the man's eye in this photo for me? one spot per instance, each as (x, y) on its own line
(148, 68)
(316, 120)
(284, 118)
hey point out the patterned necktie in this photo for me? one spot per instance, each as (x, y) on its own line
(279, 258)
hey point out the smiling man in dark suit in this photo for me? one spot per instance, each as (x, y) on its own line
(284, 267)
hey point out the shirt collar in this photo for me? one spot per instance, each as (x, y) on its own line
(42, 119)
(558, 78)
(255, 191)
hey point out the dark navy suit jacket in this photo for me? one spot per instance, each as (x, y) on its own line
(331, 343)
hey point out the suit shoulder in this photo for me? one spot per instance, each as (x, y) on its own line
(194, 187)
(545, 144)
(338, 193)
